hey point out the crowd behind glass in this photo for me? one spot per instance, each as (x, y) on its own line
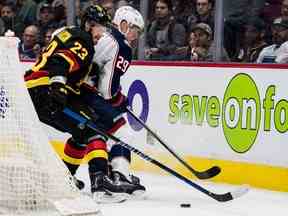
(254, 31)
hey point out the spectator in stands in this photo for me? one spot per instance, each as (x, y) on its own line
(199, 42)
(282, 54)
(10, 20)
(279, 36)
(189, 51)
(204, 14)
(8, 15)
(284, 11)
(45, 19)
(253, 41)
(201, 45)
(59, 8)
(236, 13)
(283, 14)
(78, 11)
(26, 11)
(192, 40)
(47, 37)
(109, 6)
(271, 10)
(29, 47)
(183, 11)
(164, 35)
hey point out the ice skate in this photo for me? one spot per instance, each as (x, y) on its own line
(130, 184)
(104, 190)
(79, 184)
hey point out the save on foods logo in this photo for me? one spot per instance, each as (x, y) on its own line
(240, 111)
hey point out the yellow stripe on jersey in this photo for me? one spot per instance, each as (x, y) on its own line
(37, 82)
(68, 59)
(77, 92)
(96, 154)
(71, 160)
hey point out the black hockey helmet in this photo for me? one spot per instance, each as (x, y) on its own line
(95, 13)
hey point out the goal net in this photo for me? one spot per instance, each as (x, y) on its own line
(32, 177)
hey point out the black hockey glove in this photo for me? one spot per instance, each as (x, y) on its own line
(58, 94)
(124, 104)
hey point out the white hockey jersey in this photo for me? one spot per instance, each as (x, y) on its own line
(113, 56)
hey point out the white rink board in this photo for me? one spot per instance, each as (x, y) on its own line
(270, 147)
(161, 82)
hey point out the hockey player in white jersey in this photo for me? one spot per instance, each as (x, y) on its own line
(113, 55)
(102, 92)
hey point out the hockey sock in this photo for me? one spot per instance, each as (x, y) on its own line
(73, 155)
(97, 156)
(120, 158)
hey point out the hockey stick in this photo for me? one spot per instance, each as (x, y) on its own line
(206, 174)
(82, 121)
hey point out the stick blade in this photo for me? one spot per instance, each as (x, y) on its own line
(231, 195)
(210, 173)
(240, 192)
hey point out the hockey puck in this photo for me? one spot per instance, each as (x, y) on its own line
(185, 205)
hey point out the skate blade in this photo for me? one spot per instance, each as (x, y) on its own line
(103, 197)
(138, 195)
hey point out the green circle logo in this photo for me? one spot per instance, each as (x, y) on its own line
(241, 113)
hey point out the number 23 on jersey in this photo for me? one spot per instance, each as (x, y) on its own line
(77, 49)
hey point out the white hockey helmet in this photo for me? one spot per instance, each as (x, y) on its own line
(132, 16)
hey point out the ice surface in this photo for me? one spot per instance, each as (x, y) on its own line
(165, 194)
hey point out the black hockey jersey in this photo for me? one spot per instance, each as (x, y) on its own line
(69, 54)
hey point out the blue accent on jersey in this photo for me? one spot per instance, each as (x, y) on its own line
(119, 151)
(122, 61)
(269, 59)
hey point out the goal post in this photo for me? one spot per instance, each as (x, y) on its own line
(33, 179)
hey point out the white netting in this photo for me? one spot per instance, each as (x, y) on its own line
(32, 177)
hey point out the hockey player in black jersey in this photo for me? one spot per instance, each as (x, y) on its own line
(113, 55)
(54, 82)
(112, 58)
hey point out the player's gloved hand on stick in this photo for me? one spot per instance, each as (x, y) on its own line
(120, 101)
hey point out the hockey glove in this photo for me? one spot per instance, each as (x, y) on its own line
(120, 102)
(58, 94)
